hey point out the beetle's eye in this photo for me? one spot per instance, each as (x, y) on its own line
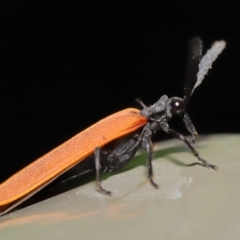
(177, 106)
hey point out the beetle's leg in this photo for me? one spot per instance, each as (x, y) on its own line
(137, 142)
(99, 187)
(190, 127)
(147, 144)
(195, 153)
(165, 128)
(141, 103)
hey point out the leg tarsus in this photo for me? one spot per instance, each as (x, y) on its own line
(100, 189)
(154, 185)
(208, 165)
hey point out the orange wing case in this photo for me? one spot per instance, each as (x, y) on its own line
(46, 168)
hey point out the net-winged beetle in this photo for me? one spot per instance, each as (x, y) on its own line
(115, 139)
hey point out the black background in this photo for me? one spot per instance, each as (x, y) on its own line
(64, 66)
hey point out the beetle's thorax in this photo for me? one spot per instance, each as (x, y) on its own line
(155, 111)
(160, 110)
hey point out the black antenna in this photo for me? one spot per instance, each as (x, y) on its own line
(198, 66)
(194, 58)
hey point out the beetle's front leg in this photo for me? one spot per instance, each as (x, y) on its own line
(195, 153)
(165, 128)
(190, 127)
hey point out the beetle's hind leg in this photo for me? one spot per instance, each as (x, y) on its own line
(98, 154)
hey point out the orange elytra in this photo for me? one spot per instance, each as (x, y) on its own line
(46, 168)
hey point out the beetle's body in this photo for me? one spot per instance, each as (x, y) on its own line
(125, 130)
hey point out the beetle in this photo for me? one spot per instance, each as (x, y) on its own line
(115, 139)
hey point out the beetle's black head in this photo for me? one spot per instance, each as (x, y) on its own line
(177, 105)
(164, 108)
(174, 106)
